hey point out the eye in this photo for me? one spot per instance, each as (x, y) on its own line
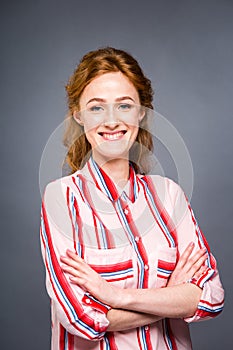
(125, 107)
(95, 109)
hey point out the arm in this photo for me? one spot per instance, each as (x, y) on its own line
(185, 269)
(172, 302)
(78, 314)
(147, 301)
(121, 320)
(212, 296)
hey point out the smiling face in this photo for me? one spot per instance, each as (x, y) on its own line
(110, 115)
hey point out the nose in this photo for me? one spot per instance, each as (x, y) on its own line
(111, 119)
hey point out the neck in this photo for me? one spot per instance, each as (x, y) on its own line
(116, 169)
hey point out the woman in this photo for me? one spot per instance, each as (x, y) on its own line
(127, 266)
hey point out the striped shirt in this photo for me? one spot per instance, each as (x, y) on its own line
(133, 237)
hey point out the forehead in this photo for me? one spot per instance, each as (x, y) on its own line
(109, 86)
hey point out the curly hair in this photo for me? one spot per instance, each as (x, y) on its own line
(93, 64)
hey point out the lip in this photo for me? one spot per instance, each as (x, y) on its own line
(112, 136)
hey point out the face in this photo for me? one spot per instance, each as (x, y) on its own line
(110, 114)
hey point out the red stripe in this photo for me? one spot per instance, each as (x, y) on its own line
(162, 276)
(132, 180)
(161, 209)
(101, 344)
(74, 181)
(70, 341)
(70, 215)
(138, 338)
(164, 333)
(203, 314)
(166, 265)
(124, 265)
(96, 231)
(211, 304)
(61, 338)
(154, 216)
(109, 236)
(111, 339)
(80, 227)
(90, 301)
(57, 296)
(118, 278)
(78, 221)
(201, 233)
(65, 285)
(110, 185)
(171, 336)
(148, 341)
(141, 248)
(93, 176)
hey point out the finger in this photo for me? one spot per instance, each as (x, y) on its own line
(194, 262)
(200, 272)
(195, 267)
(185, 255)
(74, 256)
(191, 262)
(70, 262)
(77, 280)
(70, 270)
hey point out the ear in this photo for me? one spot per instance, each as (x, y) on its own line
(142, 114)
(77, 118)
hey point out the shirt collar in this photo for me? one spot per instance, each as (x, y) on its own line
(104, 183)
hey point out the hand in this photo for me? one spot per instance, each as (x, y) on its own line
(85, 277)
(187, 267)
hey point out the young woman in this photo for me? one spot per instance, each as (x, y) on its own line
(127, 266)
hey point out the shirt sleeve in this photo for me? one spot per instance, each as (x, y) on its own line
(80, 313)
(187, 230)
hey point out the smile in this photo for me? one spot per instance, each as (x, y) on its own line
(113, 136)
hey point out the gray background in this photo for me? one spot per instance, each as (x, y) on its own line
(186, 48)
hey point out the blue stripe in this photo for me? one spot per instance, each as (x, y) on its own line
(158, 215)
(209, 309)
(73, 212)
(135, 187)
(80, 187)
(142, 329)
(199, 234)
(107, 343)
(116, 273)
(65, 299)
(103, 234)
(167, 272)
(131, 237)
(66, 340)
(167, 335)
(101, 178)
(96, 300)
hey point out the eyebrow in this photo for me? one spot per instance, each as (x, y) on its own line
(97, 99)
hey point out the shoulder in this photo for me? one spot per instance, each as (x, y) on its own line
(162, 181)
(164, 186)
(57, 188)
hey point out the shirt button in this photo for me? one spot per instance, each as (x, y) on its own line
(126, 211)
(146, 267)
(87, 301)
(137, 239)
(146, 328)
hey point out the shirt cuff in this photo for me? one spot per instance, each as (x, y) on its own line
(91, 301)
(203, 278)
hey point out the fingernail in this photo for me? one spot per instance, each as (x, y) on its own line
(191, 244)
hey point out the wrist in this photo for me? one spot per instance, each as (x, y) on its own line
(124, 299)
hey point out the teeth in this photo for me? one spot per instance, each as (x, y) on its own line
(114, 136)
